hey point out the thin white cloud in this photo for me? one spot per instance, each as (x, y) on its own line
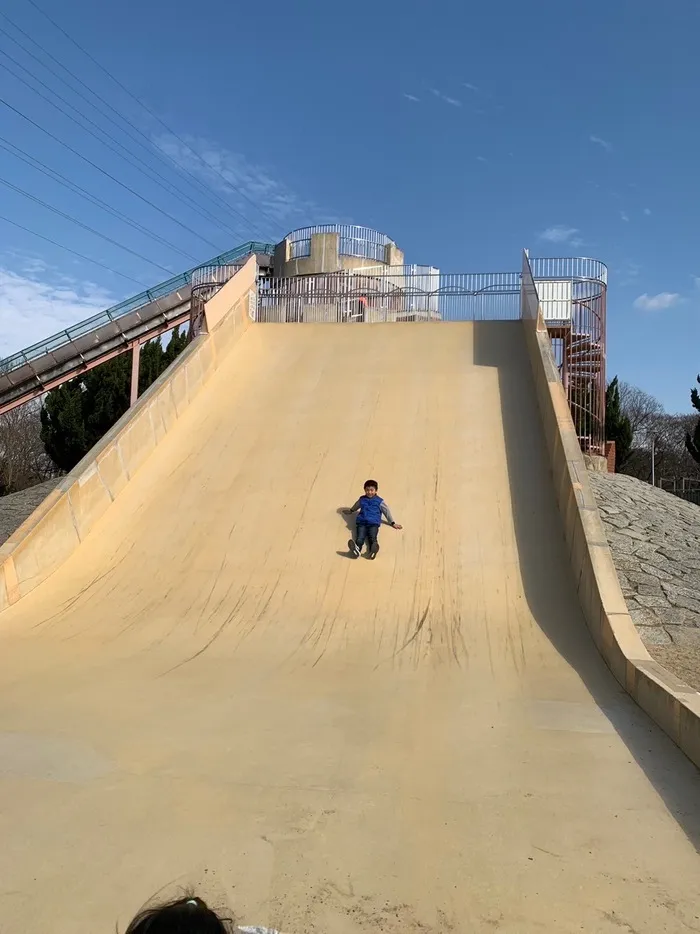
(32, 309)
(481, 159)
(469, 87)
(561, 234)
(412, 97)
(443, 97)
(624, 217)
(34, 266)
(657, 302)
(696, 280)
(232, 173)
(647, 211)
(599, 141)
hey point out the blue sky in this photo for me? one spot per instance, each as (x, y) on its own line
(463, 131)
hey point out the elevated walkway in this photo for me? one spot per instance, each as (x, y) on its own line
(48, 363)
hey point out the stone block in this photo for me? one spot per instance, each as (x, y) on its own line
(653, 601)
(629, 564)
(676, 588)
(677, 616)
(646, 552)
(642, 615)
(618, 522)
(638, 577)
(680, 598)
(686, 557)
(686, 637)
(651, 589)
(654, 635)
(662, 573)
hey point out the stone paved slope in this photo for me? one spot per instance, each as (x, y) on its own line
(655, 542)
(16, 507)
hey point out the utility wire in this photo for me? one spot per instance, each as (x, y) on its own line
(129, 157)
(107, 174)
(74, 220)
(69, 250)
(148, 145)
(151, 114)
(72, 186)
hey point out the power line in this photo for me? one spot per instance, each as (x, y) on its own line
(74, 220)
(105, 173)
(77, 189)
(150, 112)
(127, 158)
(148, 145)
(69, 250)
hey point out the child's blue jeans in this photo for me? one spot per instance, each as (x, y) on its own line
(366, 532)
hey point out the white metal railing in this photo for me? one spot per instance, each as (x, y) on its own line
(392, 296)
(569, 267)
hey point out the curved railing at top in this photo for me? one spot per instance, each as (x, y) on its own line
(130, 304)
(569, 267)
(352, 240)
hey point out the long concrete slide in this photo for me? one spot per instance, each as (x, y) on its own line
(200, 687)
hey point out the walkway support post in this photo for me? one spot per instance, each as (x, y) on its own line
(135, 359)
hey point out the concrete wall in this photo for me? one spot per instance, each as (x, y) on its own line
(44, 541)
(393, 256)
(670, 702)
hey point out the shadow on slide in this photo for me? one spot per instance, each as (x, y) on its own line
(547, 579)
(349, 521)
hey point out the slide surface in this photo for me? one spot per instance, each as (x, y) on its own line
(212, 692)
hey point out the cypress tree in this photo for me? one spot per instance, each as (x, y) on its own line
(618, 427)
(692, 442)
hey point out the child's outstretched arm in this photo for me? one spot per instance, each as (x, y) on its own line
(386, 512)
(352, 509)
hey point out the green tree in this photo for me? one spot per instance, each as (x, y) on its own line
(77, 414)
(692, 442)
(618, 427)
(177, 343)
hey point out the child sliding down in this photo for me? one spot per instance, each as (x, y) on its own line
(371, 509)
